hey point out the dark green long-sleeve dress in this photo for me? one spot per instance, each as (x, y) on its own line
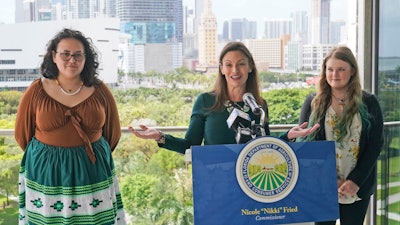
(208, 128)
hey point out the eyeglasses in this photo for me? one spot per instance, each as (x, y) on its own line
(66, 56)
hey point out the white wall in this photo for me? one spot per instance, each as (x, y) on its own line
(31, 39)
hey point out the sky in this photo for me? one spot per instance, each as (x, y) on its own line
(7, 11)
(229, 9)
(267, 9)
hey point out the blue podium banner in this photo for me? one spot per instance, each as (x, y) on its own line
(266, 181)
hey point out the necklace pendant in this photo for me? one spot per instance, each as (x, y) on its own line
(340, 101)
(69, 93)
(229, 105)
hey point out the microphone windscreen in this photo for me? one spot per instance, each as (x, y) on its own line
(238, 118)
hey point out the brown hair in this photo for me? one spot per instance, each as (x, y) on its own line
(252, 84)
(323, 98)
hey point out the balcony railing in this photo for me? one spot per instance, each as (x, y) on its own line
(379, 206)
(172, 129)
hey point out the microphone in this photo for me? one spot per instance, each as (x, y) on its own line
(237, 119)
(241, 123)
(249, 99)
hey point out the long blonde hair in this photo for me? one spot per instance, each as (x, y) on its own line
(353, 96)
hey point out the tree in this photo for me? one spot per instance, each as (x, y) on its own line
(388, 95)
(10, 156)
(155, 184)
(284, 105)
(9, 101)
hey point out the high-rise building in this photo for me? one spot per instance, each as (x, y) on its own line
(313, 55)
(241, 29)
(336, 31)
(207, 37)
(266, 52)
(155, 25)
(189, 34)
(250, 29)
(156, 29)
(236, 29)
(320, 21)
(188, 20)
(110, 8)
(45, 10)
(225, 31)
(293, 56)
(162, 21)
(25, 11)
(300, 26)
(276, 28)
(198, 11)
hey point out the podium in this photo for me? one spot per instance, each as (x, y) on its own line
(265, 181)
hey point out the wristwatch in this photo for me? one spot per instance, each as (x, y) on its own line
(161, 140)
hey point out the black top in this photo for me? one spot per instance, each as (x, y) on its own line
(371, 142)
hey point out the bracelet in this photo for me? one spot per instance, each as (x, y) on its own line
(161, 140)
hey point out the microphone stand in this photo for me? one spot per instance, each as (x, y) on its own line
(246, 134)
(258, 129)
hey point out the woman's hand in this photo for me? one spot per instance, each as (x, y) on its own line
(146, 133)
(348, 188)
(301, 130)
(339, 182)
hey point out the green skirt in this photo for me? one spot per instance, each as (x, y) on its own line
(60, 185)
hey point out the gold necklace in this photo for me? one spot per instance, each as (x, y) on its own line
(69, 93)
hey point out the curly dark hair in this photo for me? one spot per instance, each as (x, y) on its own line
(89, 75)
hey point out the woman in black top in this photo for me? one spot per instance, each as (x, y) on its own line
(353, 119)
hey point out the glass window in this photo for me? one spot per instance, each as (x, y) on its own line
(388, 80)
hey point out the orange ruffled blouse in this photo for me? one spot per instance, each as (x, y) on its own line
(53, 123)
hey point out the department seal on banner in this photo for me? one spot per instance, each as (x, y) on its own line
(267, 169)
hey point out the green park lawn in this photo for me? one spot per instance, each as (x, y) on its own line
(9, 216)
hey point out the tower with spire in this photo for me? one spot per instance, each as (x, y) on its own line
(207, 37)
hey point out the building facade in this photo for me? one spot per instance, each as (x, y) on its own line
(313, 55)
(275, 28)
(161, 25)
(21, 55)
(320, 21)
(266, 51)
(207, 38)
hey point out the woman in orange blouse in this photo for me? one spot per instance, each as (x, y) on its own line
(68, 125)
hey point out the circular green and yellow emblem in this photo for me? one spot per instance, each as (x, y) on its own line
(267, 169)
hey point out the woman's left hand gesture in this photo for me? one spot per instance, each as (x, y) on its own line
(302, 130)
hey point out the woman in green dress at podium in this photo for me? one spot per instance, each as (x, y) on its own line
(208, 123)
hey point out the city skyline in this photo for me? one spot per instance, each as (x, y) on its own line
(198, 48)
(258, 10)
